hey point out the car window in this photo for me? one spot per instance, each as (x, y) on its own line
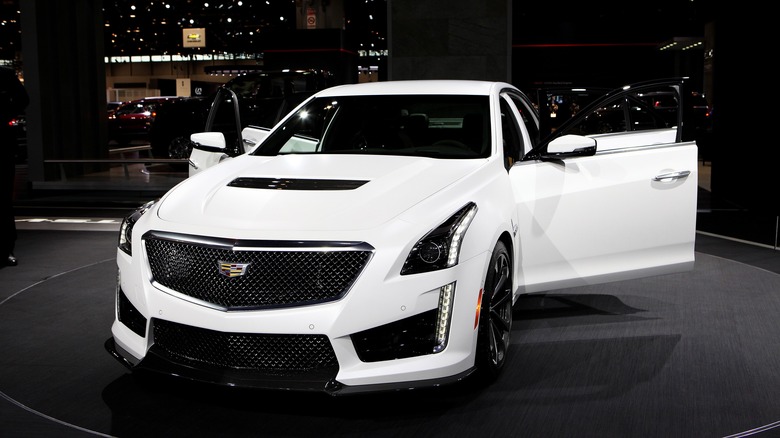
(512, 137)
(556, 105)
(638, 110)
(420, 125)
(263, 100)
(530, 118)
(133, 108)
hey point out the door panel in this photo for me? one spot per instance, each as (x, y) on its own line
(603, 218)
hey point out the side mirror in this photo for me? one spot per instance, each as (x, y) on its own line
(570, 146)
(209, 141)
(208, 150)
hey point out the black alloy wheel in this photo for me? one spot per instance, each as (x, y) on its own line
(180, 147)
(495, 319)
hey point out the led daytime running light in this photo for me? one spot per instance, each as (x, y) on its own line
(446, 298)
(457, 236)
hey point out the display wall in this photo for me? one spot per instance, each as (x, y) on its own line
(459, 39)
(65, 76)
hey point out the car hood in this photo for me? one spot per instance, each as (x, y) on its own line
(309, 192)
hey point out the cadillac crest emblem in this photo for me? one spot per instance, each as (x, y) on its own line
(232, 270)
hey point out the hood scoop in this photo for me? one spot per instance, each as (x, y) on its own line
(295, 184)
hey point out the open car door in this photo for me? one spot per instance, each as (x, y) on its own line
(223, 136)
(623, 208)
(246, 108)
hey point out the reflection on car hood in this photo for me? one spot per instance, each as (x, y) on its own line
(309, 192)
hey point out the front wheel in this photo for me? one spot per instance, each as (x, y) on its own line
(495, 316)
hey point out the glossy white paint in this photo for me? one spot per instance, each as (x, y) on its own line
(579, 220)
(602, 218)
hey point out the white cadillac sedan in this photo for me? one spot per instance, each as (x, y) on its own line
(379, 235)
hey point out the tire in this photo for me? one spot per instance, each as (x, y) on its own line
(495, 318)
(179, 147)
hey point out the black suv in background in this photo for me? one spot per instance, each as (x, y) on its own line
(263, 97)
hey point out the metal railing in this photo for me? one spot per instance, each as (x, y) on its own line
(128, 155)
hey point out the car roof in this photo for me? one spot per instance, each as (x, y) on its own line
(429, 86)
(159, 97)
(153, 99)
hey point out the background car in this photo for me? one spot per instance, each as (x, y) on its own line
(263, 97)
(132, 121)
(19, 126)
(174, 121)
(111, 107)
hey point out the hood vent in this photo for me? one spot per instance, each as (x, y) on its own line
(296, 184)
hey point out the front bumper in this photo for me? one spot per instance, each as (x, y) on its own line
(376, 333)
(323, 381)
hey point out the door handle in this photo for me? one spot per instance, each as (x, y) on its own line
(671, 176)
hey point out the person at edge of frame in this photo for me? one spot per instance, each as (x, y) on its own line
(13, 101)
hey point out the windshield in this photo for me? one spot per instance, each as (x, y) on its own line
(419, 125)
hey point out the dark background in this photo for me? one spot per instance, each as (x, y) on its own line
(531, 44)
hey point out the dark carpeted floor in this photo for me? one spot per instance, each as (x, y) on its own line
(682, 355)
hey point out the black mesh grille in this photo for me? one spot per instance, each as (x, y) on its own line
(274, 355)
(408, 337)
(271, 277)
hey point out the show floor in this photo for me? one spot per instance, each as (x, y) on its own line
(684, 355)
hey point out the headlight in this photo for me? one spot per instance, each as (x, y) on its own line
(126, 229)
(440, 248)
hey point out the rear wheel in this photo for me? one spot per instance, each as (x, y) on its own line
(495, 318)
